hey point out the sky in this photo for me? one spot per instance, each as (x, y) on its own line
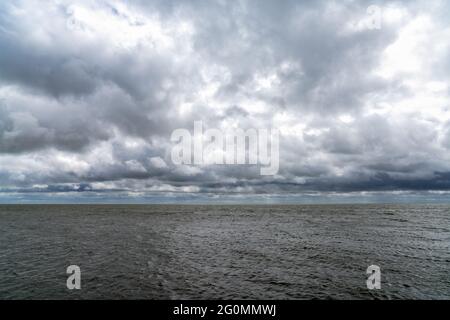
(91, 92)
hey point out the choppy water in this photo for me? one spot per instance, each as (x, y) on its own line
(229, 252)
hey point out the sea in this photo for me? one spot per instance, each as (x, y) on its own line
(225, 251)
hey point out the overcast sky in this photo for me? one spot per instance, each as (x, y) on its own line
(90, 92)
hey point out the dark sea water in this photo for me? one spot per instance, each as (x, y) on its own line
(225, 252)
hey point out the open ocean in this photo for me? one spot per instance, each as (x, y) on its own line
(224, 252)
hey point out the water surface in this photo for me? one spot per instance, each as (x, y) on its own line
(224, 252)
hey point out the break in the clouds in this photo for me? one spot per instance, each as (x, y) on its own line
(90, 92)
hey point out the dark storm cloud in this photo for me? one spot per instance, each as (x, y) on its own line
(90, 93)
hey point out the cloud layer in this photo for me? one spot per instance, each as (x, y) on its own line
(90, 92)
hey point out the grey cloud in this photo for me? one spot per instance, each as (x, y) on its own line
(83, 107)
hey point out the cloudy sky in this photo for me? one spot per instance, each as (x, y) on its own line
(90, 92)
